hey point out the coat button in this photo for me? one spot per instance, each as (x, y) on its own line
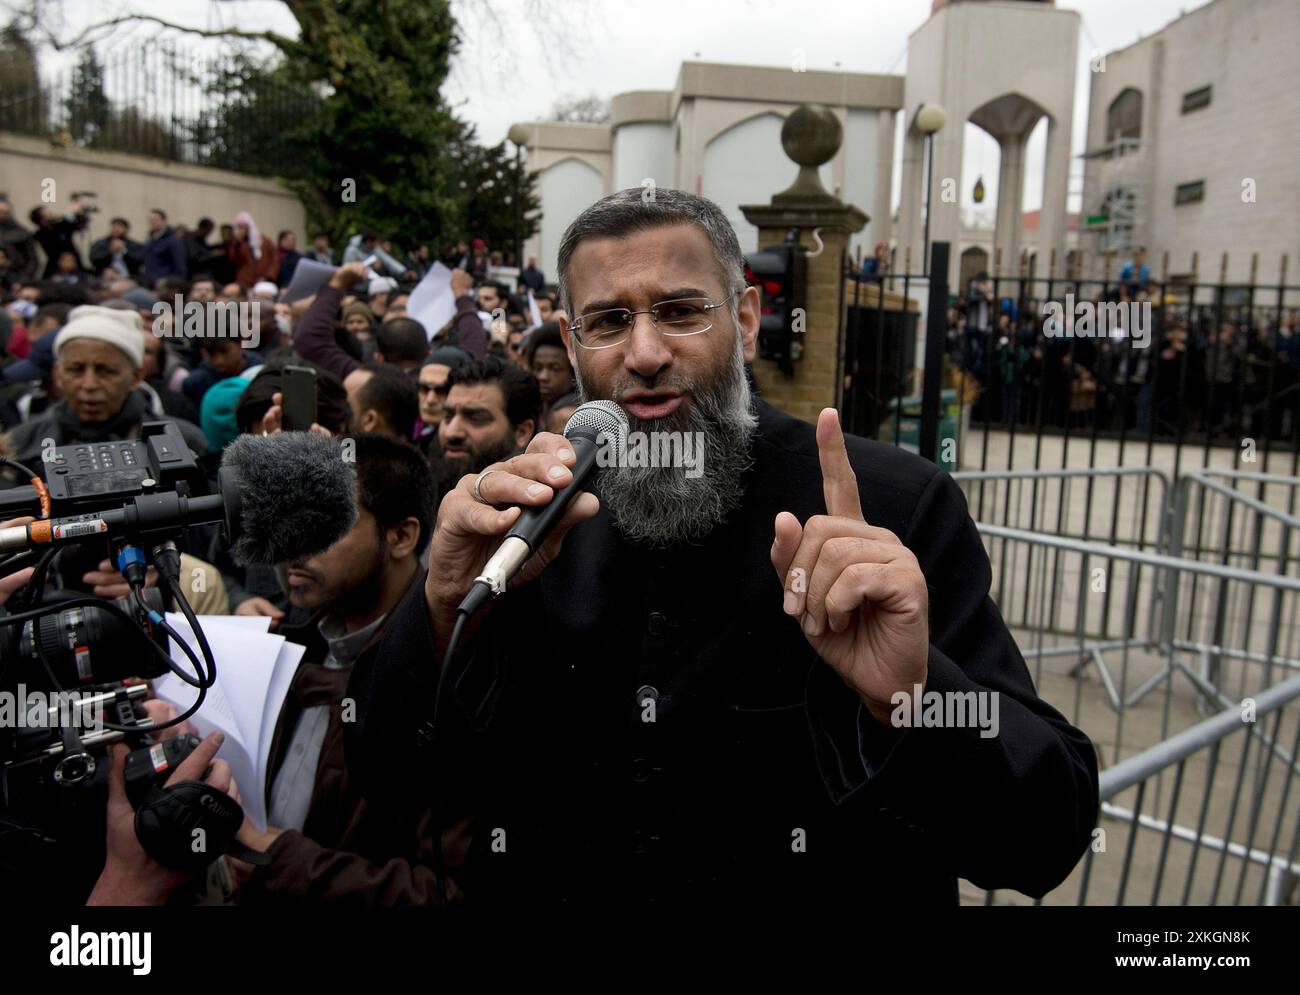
(657, 624)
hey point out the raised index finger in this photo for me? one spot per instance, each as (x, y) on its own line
(839, 483)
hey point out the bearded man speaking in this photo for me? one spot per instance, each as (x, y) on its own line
(718, 685)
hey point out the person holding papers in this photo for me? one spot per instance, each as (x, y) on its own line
(315, 340)
(325, 843)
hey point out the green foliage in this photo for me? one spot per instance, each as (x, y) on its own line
(86, 107)
(492, 179)
(260, 117)
(381, 129)
(22, 104)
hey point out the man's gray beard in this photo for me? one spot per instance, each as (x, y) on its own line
(662, 506)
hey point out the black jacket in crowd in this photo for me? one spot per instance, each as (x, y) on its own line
(56, 239)
(761, 778)
(101, 255)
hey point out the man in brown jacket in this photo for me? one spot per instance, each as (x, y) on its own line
(325, 843)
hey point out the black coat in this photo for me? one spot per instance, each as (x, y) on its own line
(756, 743)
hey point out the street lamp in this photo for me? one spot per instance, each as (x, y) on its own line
(519, 135)
(929, 119)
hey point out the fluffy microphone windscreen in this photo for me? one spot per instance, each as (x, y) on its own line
(298, 494)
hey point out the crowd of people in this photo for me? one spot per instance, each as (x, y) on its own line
(91, 352)
(378, 368)
(369, 354)
(1204, 370)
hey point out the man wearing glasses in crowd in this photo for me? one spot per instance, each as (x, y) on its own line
(696, 690)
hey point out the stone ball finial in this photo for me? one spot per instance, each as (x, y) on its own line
(811, 135)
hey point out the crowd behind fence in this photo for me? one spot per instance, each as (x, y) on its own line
(1181, 362)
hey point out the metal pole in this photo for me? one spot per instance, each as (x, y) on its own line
(936, 327)
(929, 166)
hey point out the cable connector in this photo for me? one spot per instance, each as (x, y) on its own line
(131, 565)
(167, 559)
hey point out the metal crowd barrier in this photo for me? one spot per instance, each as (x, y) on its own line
(1194, 597)
(1122, 507)
(1270, 796)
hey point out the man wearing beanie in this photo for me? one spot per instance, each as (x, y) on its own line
(98, 366)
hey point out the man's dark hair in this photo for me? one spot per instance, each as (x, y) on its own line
(625, 213)
(570, 400)
(369, 236)
(522, 395)
(547, 333)
(168, 287)
(158, 211)
(391, 392)
(215, 344)
(207, 223)
(394, 482)
(204, 278)
(56, 312)
(331, 397)
(283, 233)
(72, 294)
(499, 288)
(401, 339)
(120, 221)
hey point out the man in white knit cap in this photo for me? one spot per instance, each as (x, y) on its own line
(99, 360)
(99, 364)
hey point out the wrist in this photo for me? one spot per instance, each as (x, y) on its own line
(882, 711)
(120, 885)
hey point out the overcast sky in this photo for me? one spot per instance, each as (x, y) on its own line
(520, 56)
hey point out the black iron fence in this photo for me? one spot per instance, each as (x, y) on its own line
(1189, 364)
(229, 111)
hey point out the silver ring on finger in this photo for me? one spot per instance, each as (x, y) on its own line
(478, 482)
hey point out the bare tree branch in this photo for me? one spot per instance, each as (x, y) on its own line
(285, 44)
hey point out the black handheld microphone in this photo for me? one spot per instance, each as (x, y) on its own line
(592, 426)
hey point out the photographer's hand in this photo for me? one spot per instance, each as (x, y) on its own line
(161, 711)
(109, 583)
(130, 876)
(260, 607)
(19, 578)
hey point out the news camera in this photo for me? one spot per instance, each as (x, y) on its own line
(71, 664)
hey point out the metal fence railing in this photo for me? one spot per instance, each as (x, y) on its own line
(1133, 631)
(1064, 370)
(1260, 834)
(1109, 603)
(226, 111)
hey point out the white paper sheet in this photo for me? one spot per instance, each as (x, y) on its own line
(308, 277)
(254, 670)
(432, 303)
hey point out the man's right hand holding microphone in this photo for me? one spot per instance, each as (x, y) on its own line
(482, 508)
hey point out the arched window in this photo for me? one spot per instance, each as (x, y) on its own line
(1124, 117)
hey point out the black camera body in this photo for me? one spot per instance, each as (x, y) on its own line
(69, 671)
(92, 476)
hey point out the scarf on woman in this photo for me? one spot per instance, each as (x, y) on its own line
(254, 234)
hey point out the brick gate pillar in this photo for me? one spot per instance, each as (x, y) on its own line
(810, 136)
